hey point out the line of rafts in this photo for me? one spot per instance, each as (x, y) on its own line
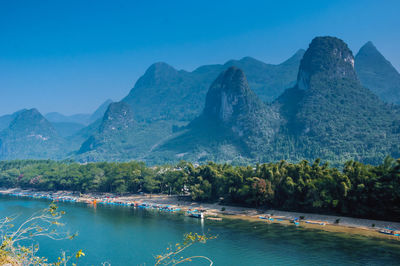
(194, 213)
(296, 221)
(67, 197)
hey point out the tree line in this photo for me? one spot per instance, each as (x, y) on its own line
(356, 189)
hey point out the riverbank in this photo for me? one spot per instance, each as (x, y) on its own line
(215, 211)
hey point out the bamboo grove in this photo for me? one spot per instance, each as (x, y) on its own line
(356, 189)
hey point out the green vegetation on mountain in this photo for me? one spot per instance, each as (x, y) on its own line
(234, 123)
(357, 190)
(377, 74)
(165, 100)
(330, 115)
(327, 114)
(164, 93)
(113, 134)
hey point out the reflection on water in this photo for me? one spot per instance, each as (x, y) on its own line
(127, 236)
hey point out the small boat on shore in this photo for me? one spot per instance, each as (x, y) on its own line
(168, 209)
(268, 218)
(195, 214)
(390, 231)
(296, 221)
(316, 222)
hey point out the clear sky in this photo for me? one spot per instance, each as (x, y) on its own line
(70, 56)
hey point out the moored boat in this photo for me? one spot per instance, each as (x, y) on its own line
(195, 214)
(269, 218)
(390, 231)
(316, 222)
(296, 221)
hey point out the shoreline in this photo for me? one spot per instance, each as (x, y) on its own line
(213, 211)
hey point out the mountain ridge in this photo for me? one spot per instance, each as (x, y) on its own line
(334, 114)
(377, 73)
(83, 119)
(29, 135)
(244, 111)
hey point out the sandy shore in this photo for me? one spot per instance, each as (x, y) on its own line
(211, 211)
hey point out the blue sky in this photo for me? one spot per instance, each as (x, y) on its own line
(70, 56)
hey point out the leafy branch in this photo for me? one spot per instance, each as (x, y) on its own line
(189, 239)
(45, 223)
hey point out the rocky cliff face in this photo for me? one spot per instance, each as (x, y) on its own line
(232, 104)
(328, 56)
(235, 123)
(230, 96)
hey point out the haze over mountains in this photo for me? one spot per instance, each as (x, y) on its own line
(377, 74)
(320, 103)
(330, 115)
(174, 90)
(30, 135)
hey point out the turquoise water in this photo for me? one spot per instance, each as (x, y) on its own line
(127, 236)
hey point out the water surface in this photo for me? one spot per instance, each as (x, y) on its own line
(128, 236)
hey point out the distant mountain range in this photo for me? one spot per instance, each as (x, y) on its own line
(180, 95)
(30, 135)
(377, 74)
(328, 114)
(164, 100)
(320, 103)
(83, 119)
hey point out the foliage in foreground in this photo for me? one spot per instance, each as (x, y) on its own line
(357, 189)
(172, 255)
(18, 247)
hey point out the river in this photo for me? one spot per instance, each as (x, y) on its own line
(127, 236)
